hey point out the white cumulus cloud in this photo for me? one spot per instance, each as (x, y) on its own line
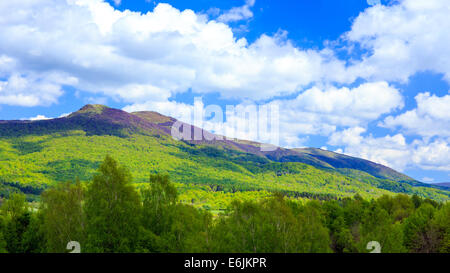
(156, 54)
(38, 117)
(394, 151)
(321, 110)
(402, 39)
(238, 13)
(430, 118)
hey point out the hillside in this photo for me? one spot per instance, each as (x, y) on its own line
(35, 155)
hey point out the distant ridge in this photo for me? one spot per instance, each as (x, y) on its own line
(344, 161)
(443, 184)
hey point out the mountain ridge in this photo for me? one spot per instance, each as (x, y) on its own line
(150, 120)
(236, 164)
(442, 184)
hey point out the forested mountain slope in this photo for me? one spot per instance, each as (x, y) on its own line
(35, 155)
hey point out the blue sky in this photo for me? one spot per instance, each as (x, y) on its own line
(365, 78)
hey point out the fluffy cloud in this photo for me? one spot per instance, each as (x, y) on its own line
(427, 179)
(43, 117)
(430, 118)
(38, 117)
(320, 111)
(169, 51)
(157, 54)
(394, 151)
(351, 137)
(402, 39)
(349, 106)
(31, 90)
(432, 156)
(238, 13)
(386, 150)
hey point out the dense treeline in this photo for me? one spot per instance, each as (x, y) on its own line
(111, 215)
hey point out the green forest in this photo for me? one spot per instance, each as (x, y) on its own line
(208, 176)
(111, 213)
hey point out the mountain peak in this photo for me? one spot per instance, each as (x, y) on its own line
(92, 108)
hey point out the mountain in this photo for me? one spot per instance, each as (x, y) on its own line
(35, 155)
(443, 184)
